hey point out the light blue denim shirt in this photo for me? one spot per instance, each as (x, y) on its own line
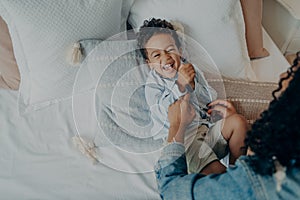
(238, 183)
(161, 92)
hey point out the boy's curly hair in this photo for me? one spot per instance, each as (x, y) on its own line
(276, 135)
(152, 27)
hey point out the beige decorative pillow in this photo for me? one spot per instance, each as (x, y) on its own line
(249, 98)
(252, 11)
(9, 72)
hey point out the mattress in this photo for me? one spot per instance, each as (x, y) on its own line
(39, 161)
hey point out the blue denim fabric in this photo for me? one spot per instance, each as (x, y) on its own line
(239, 182)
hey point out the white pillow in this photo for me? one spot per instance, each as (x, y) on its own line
(43, 31)
(217, 25)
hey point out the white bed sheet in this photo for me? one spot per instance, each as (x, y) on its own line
(269, 68)
(39, 161)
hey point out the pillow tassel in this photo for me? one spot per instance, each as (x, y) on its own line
(86, 148)
(76, 55)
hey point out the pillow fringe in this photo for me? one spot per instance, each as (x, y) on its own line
(76, 54)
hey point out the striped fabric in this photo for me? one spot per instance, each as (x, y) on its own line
(249, 98)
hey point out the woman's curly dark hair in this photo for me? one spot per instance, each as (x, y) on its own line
(276, 134)
(152, 27)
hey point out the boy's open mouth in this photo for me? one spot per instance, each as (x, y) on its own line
(168, 67)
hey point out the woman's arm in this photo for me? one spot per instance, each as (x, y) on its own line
(175, 183)
(171, 169)
(171, 174)
(180, 115)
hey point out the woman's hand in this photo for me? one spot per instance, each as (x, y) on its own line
(186, 75)
(180, 114)
(222, 107)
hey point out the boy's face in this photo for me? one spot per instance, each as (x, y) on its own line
(163, 55)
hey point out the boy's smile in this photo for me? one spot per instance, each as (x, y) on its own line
(163, 55)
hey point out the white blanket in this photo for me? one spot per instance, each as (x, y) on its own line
(39, 161)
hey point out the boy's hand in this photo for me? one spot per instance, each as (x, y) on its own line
(223, 107)
(186, 75)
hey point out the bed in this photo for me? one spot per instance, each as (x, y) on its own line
(42, 155)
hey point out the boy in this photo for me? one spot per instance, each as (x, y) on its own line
(170, 78)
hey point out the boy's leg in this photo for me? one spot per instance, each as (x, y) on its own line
(200, 156)
(234, 130)
(215, 167)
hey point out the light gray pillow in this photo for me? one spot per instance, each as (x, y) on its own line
(117, 73)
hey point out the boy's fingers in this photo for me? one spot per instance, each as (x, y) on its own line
(218, 101)
(182, 66)
(221, 102)
(186, 66)
(186, 97)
